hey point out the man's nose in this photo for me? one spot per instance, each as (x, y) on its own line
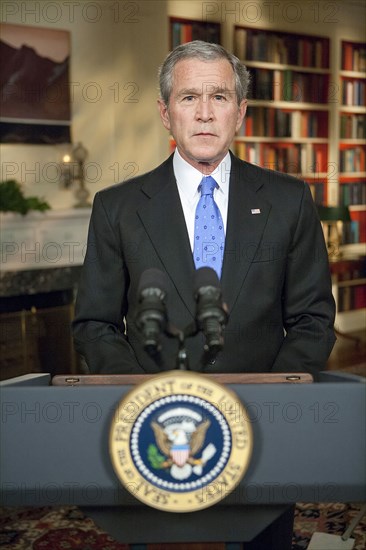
(204, 109)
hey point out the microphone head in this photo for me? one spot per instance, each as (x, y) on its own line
(151, 316)
(153, 278)
(211, 314)
(204, 277)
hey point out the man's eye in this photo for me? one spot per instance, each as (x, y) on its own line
(188, 98)
(220, 97)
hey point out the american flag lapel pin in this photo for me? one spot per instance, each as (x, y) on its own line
(255, 210)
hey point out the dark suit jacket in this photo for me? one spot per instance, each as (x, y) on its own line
(275, 279)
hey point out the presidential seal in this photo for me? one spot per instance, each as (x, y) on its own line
(180, 441)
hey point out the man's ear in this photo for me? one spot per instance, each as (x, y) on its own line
(241, 113)
(164, 113)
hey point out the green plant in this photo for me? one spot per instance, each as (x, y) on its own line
(12, 199)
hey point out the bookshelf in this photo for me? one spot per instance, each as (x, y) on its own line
(350, 285)
(349, 289)
(352, 136)
(289, 127)
(352, 293)
(306, 116)
(286, 126)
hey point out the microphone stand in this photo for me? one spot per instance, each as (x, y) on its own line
(182, 360)
(182, 355)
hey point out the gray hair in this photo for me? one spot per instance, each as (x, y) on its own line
(204, 51)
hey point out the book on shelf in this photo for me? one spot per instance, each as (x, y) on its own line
(353, 192)
(248, 151)
(351, 297)
(359, 298)
(353, 126)
(281, 48)
(350, 232)
(352, 159)
(358, 215)
(353, 57)
(352, 273)
(183, 31)
(298, 159)
(274, 122)
(289, 85)
(344, 298)
(353, 92)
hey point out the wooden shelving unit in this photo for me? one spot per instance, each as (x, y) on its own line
(286, 127)
(350, 288)
(307, 117)
(352, 137)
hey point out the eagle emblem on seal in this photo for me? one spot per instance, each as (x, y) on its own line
(180, 445)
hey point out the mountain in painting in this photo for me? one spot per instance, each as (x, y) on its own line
(33, 87)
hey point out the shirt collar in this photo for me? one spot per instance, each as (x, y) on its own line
(188, 178)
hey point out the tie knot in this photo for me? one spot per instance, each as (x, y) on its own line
(207, 185)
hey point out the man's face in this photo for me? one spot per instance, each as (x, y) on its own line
(203, 113)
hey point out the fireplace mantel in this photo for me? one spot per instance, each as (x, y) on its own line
(53, 239)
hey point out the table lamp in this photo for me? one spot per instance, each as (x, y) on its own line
(332, 218)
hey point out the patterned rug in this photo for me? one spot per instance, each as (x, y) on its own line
(326, 518)
(66, 528)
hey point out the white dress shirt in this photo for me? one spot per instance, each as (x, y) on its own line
(188, 179)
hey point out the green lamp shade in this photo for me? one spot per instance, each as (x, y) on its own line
(334, 213)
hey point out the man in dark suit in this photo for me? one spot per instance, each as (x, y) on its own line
(275, 276)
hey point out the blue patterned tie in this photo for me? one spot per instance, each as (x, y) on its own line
(209, 234)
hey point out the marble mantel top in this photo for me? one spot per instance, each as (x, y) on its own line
(38, 281)
(43, 240)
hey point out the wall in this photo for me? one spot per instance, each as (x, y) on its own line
(116, 48)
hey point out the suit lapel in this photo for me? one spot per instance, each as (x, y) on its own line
(163, 219)
(164, 222)
(247, 218)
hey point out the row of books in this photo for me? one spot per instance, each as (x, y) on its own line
(266, 121)
(297, 159)
(355, 271)
(352, 159)
(353, 126)
(358, 216)
(289, 85)
(351, 297)
(281, 48)
(352, 193)
(182, 32)
(353, 57)
(353, 92)
(351, 232)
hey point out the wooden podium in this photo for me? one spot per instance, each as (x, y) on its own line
(309, 446)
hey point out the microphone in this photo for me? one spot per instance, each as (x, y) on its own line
(151, 316)
(211, 312)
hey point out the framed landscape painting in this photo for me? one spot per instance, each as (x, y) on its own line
(34, 83)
